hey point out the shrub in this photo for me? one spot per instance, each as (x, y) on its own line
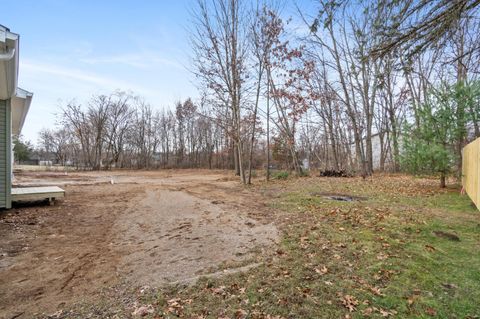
(280, 175)
(304, 173)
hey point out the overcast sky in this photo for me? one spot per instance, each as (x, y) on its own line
(74, 49)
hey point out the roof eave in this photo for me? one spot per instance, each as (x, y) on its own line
(9, 42)
(20, 106)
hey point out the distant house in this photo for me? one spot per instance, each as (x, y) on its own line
(14, 105)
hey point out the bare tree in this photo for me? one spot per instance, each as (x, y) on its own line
(118, 123)
(289, 72)
(220, 47)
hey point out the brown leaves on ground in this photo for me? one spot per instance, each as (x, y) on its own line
(321, 270)
(350, 302)
(142, 311)
(389, 185)
(219, 290)
(174, 306)
(376, 291)
(384, 313)
(431, 312)
(373, 289)
(387, 313)
(240, 314)
(382, 256)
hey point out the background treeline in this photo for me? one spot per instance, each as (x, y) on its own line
(345, 85)
(123, 131)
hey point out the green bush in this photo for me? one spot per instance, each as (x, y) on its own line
(431, 146)
(280, 175)
(304, 173)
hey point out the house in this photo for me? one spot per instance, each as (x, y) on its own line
(14, 105)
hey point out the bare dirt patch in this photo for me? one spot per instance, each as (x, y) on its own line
(136, 227)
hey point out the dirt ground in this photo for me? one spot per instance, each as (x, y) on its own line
(141, 227)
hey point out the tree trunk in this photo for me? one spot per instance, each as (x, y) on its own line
(235, 159)
(252, 141)
(443, 183)
(296, 163)
(268, 129)
(461, 127)
(369, 151)
(240, 162)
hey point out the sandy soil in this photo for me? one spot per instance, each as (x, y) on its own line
(143, 228)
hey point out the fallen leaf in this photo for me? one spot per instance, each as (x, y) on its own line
(219, 291)
(431, 312)
(350, 302)
(447, 285)
(142, 311)
(387, 313)
(240, 314)
(382, 256)
(429, 248)
(376, 291)
(367, 311)
(304, 239)
(280, 252)
(174, 306)
(322, 270)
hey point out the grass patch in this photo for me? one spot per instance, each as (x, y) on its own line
(281, 175)
(375, 258)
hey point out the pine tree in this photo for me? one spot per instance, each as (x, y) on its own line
(431, 148)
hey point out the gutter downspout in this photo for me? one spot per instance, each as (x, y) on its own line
(7, 56)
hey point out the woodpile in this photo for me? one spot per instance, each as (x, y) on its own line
(335, 173)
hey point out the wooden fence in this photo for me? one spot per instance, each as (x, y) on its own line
(471, 171)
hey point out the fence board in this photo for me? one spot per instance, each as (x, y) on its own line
(471, 171)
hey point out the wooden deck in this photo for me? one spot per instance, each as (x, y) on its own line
(49, 193)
